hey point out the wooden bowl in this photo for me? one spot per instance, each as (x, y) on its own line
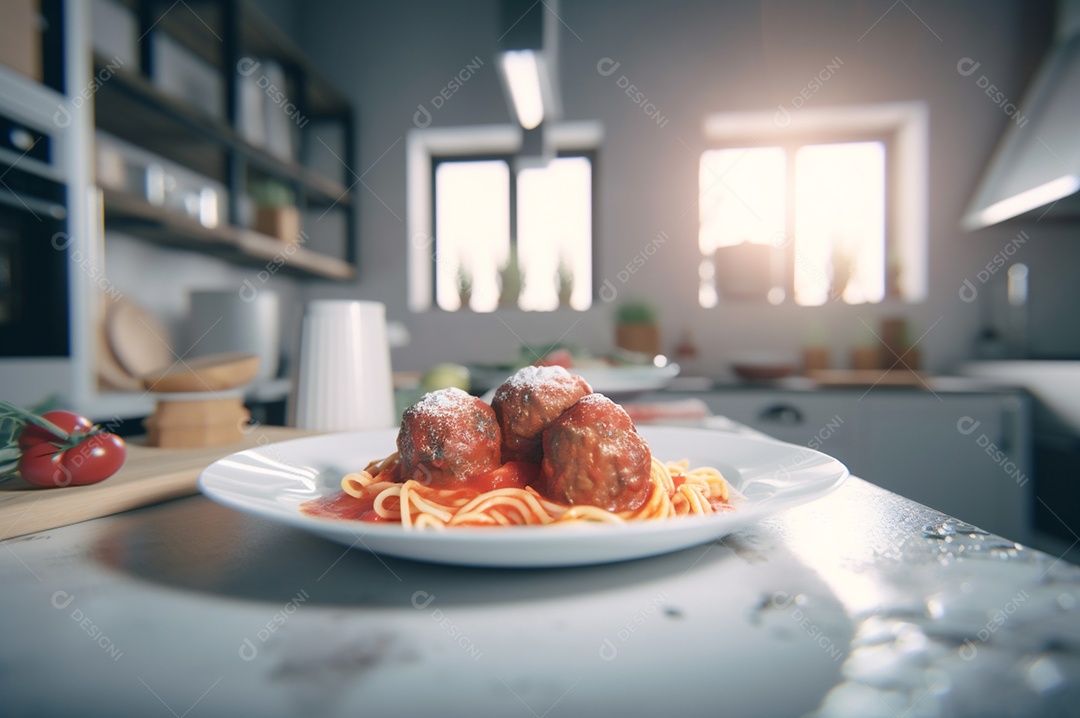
(762, 365)
(138, 339)
(213, 372)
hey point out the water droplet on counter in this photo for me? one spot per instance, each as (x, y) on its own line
(935, 608)
(938, 681)
(1004, 552)
(1043, 675)
(939, 530)
(1067, 601)
(943, 529)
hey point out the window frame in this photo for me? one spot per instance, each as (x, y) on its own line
(903, 129)
(790, 146)
(579, 138)
(509, 159)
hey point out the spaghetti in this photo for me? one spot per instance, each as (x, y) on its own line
(547, 450)
(377, 494)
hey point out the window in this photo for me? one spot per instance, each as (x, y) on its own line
(546, 262)
(831, 208)
(491, 229)
(472, 232)
(829, 221)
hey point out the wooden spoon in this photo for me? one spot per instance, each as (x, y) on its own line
(213, 372)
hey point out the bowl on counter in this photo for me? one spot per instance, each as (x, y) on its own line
(758, 366)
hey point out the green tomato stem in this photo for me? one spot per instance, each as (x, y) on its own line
(9, 410)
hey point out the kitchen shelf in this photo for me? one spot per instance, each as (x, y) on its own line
(168, 227)
(133, 108)
(227, 41)
(259, 36)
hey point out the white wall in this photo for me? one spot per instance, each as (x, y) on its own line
(692, 59)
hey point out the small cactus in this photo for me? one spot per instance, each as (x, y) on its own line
(511, 278)
(564, 280)
(464, 285)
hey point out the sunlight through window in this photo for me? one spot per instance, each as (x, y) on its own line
(826, 226)
(553, 218)
(742, 196)
(472, 232)
(554, 226)
(840, 223)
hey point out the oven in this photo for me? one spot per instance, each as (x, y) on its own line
(34, 242)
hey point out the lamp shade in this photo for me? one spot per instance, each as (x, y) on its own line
(526, 60)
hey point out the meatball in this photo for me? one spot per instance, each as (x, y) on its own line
(593, 455)
(447, 438)
(528, 402)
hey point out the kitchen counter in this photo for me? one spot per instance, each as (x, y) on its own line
(862, 603)
(925, 384)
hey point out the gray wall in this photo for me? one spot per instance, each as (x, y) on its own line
(692, 59)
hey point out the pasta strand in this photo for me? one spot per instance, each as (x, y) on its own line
(677, 490)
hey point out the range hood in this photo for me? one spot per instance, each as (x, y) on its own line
(1036, 167)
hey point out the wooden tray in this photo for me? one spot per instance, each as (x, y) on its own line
(149, 475)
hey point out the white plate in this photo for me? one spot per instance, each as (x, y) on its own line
(618, 380)
(613, 381)
(272, 481)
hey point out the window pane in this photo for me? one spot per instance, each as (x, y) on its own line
(554, 225)
(472, 231)
(741, 196)
(840, 223)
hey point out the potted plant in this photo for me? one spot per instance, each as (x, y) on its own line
(464, 285)
(276, 213)
(564, 282)
(636, 328)
(511, 277)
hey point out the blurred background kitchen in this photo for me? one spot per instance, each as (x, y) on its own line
(852, 225)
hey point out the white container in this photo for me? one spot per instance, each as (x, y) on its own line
(225, 321)
(115, 33)
(343, 379)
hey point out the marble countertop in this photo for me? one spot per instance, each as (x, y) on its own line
(862, 603)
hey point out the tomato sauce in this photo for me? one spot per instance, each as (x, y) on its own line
(342, 506)
(511, 475)
(720, 506)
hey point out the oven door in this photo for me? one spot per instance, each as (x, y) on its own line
(33, 265)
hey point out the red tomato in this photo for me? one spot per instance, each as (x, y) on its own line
(93, 460)
(66, 420)
(560, 357)
(40, 465)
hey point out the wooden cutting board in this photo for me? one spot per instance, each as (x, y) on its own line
(149, 475)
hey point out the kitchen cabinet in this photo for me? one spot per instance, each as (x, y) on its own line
(821, 420)
(244, 117)
(966, 453)
(969, 454)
